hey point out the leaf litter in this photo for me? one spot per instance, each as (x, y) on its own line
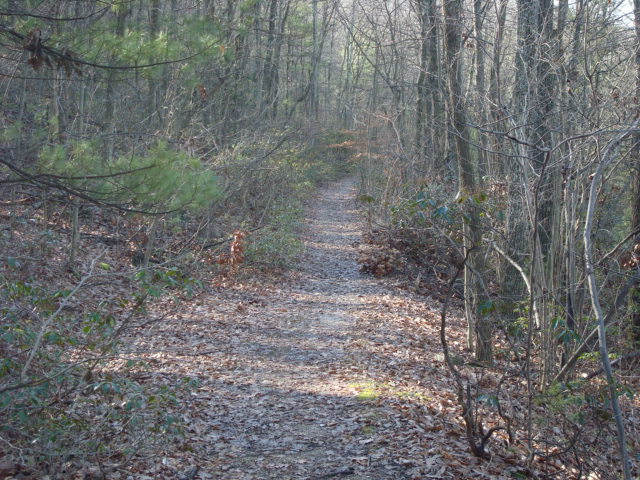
(320, 373)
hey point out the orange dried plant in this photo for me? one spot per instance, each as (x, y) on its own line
(235, 258)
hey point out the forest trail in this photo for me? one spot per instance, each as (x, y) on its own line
(328, 375)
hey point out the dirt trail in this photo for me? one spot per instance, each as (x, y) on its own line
(299, 380)
(300, 422)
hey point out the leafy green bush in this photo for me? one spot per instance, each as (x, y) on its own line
(161, 180)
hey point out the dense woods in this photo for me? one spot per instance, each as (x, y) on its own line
(497, 148)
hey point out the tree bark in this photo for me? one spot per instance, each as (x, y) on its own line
(427, 84)
(478, 17)
(479, 323)
(635, 204)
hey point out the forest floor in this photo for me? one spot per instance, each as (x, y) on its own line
(322, 373)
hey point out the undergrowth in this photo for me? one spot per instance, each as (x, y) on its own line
(564, 426)
(68, 396)
(273, 179)
(279, 244)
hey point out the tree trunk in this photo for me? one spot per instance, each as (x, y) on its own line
(635, 204)
(270, 60)
(110, 101)
(151, 237)
(154, 27)
(480, 85)
(75, 231)
(427, 85)
(479, 323)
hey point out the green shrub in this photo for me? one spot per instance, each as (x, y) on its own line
(161, 180)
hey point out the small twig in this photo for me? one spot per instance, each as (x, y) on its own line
(47, 378)
(189, 474)
(339, 473)
(608, 319)
(222, 242)
(615, 249)
(52, 317)
(614, 363)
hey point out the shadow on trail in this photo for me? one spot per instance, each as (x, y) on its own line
(251, 431)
